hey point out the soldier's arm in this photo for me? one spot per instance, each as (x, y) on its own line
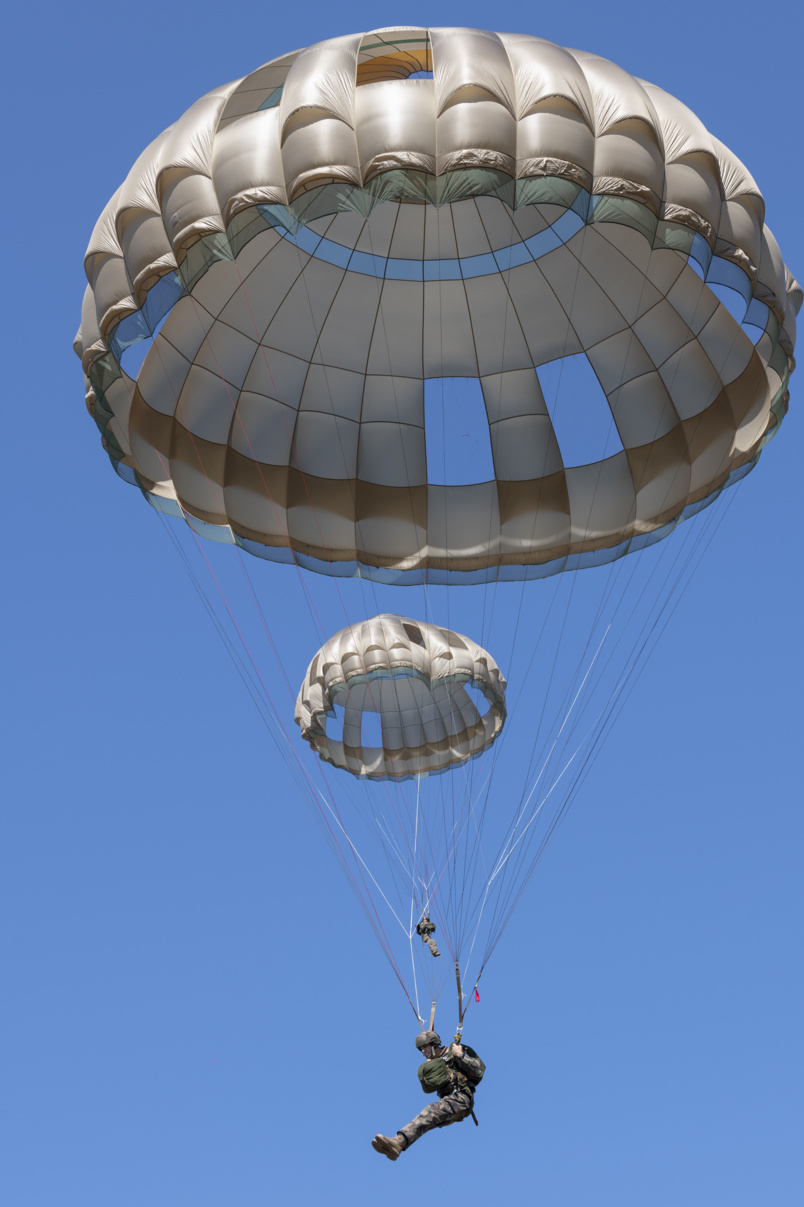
(466, 1064)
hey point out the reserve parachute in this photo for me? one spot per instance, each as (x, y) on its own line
(414, 677)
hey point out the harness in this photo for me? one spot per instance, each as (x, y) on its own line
(459, 1082)
(439, 1075)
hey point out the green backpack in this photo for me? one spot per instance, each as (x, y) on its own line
(436, 1075)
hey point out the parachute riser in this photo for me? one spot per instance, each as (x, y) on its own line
(461, 1013)
(461, 1009)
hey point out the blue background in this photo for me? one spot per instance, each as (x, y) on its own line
(194, 1011)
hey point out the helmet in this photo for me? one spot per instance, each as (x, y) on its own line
(426, 1038)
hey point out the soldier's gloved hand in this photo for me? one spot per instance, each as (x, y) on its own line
(457, 1050)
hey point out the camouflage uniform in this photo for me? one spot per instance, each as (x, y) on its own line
(425, 928)
(454, 1103)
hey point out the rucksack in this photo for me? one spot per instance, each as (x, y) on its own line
(436, 1075)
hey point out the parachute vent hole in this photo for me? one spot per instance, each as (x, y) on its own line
(751, 314)
(454, 640)
(133, 358)
(334, 726)
(371, 731)
(753, 331)
(390, 60)
(414, 634)
(733, 301)
(478, 699)
(420, 75)
(456, 431)
(273, 100)
(582, 420)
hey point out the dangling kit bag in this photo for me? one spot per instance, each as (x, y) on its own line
(436, 1075)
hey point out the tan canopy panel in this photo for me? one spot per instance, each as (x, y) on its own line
(414, 677)
(306, 248)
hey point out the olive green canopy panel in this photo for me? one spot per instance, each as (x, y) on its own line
(414, 676)
(307, 246)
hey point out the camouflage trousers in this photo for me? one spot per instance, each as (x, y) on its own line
(451, 1109)
(431, 943)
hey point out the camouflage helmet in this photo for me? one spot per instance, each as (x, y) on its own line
(426, 1038)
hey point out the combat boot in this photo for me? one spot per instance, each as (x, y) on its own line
(389, 1146)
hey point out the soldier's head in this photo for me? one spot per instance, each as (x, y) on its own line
(428, 1043)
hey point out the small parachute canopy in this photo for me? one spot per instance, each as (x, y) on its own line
(418, 678)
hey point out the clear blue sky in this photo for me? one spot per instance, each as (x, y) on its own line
(194, 1011)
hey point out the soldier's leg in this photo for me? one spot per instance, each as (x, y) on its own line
(431, 943)
(451, 1109)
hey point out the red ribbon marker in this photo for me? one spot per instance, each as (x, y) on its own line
(477, 995)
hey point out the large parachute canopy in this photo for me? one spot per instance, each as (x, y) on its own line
(307, 249)
(414, 677)
(424, 307)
